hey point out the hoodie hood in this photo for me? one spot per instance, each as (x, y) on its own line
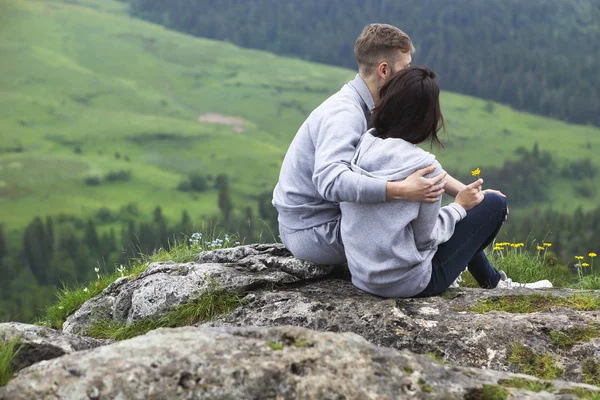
(390, 159)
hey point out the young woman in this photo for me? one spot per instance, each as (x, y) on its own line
(405, 248)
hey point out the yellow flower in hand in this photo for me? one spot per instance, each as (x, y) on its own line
(476, 172)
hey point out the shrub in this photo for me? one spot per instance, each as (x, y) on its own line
(120, 175)
(92, 181)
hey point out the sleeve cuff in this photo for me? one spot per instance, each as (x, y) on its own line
(459, 209)
(374, 190)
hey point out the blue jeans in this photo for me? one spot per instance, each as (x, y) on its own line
(471, 235)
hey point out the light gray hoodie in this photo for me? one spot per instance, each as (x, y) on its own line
(389, 246)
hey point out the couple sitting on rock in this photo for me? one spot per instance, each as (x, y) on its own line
(371, 197)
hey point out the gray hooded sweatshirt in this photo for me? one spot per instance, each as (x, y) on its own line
(389, 246)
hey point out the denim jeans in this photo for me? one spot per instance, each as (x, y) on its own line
(471, 235)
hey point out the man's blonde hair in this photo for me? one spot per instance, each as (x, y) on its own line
(378, 43)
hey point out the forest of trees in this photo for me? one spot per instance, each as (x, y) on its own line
(64, 249)
(539, 56)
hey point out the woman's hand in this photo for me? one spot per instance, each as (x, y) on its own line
(470, 196)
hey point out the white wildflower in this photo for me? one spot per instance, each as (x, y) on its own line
(85, 290)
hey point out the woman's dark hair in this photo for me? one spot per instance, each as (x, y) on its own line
(409, 107)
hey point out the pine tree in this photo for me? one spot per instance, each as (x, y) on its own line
(90, 237)
(185, 226)
(34, 250)
(3, 250)
(225, 204)
(50, 239)
(162, 233)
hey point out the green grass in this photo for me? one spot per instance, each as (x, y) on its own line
(205, 307)
(571, 336)
(525, 265)
(8, 351)
(527, 384)
(528, 362)
(84, 74)
(588, 282)
(536, 302)
(591, 372)
(70, 299)
(582, 393)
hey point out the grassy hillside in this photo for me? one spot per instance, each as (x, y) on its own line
(81, 81)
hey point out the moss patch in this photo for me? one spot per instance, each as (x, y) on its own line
(536, 302)
(569, 337)
(302, 343)
(275, 346)
(530, 363)
(8, 351)
(425, 387)
(206, 307)
(408, 370)
(527, 384)
(436, 356)
(591, 372)
(487, 392)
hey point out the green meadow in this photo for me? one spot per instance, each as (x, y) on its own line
(86, 90)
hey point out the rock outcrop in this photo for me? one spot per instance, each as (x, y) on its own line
(480, 334)
(444, 326)
(38, 343)
(260, 363)
(166, 284)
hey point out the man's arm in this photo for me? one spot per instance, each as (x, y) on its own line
(453, 186)
(418, 188)
(335, 145)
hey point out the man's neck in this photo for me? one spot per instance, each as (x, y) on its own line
(372, 83)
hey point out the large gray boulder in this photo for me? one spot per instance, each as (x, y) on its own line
(258, 363)
(164, 285)
(443, 325)
(38, 343)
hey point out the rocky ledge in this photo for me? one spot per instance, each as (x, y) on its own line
(264, 363)
(552, 334)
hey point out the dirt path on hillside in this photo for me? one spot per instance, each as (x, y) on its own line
(213, 118)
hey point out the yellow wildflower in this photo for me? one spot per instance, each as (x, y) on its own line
(476, 172)
(497, 248)
(585, 265)
(520, 244)
(513, 245)
(548, 244)
(592, 255)
(579, 257)
(540, 248)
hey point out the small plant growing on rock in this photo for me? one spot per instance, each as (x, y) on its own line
(571, 336)
(275, 346)
(487, 392)
(8, 351)
(527, 384)
(528, 362)
(301, 343)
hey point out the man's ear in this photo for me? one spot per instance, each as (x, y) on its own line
(384, 71)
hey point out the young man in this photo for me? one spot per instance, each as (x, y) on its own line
(315, 175)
